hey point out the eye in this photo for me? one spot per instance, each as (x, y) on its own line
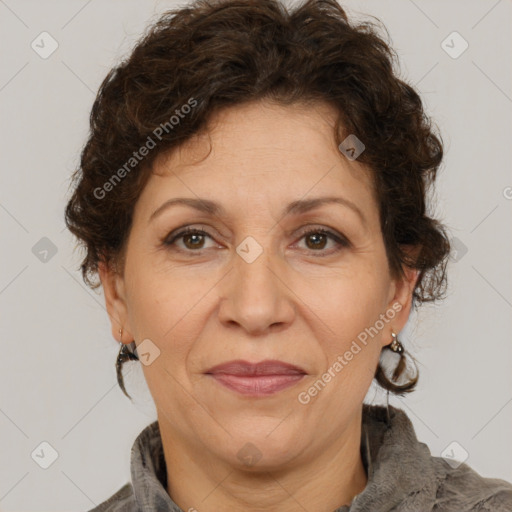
(192, 239)
(317, 238)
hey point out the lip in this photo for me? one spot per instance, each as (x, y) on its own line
(240, 367)
(257, 379)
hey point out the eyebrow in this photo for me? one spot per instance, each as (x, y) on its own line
(294, 208)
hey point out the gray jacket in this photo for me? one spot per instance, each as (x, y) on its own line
(403, 476)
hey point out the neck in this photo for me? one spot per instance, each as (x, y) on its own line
(325, 482)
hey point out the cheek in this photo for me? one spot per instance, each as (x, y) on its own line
(168, 308)
(354, 341)
(161, 308)
(350, 302)
(166, 311)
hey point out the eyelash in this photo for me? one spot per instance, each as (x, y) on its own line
(340, 240)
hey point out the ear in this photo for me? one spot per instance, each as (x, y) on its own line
(401, 294)
(115, 300)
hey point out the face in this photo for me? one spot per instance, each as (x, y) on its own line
(256, 280)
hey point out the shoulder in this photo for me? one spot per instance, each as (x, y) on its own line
(461, 488)
(122, 501)
(406, 474)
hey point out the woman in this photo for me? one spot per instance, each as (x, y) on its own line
(252, 197)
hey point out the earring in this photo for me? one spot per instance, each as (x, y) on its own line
(395, 345)
(124, 355)
(389, 379)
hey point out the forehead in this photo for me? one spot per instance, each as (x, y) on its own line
(258, 151)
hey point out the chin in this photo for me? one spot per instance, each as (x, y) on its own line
(261, 446)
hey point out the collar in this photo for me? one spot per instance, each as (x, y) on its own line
(397, 465)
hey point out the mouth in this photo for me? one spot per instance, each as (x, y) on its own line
(257, 379)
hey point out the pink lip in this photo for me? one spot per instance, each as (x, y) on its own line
(260, 379)
(267, 367)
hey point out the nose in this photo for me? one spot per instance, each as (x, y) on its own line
(255, 296)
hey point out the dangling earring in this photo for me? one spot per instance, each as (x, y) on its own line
(395, 345)
(124, 355)
(389, 382)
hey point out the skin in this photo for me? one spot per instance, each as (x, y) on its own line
(202, 304)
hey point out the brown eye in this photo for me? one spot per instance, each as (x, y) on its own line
(193, 239)
(317, 239)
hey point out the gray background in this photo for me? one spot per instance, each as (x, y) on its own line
(57, 366)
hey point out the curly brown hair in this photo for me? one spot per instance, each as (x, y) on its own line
(212, 54)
